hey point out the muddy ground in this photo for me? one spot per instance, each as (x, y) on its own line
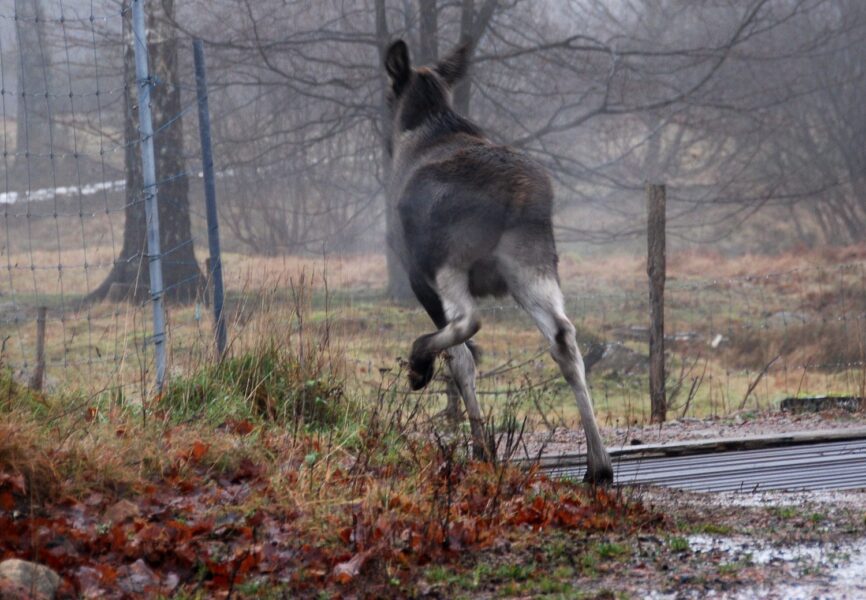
(776, 546)
(771, 545)
(735, 545)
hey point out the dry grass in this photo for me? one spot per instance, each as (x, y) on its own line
(358, 273)
(795, 314)
(81, 444)
(351, 505)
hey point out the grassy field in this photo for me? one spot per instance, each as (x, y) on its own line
(743, 333)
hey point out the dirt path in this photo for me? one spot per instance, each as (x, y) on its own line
(567, 441)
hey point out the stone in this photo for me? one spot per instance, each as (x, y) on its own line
(34, 579)
(137, 579)
(804, 404)
(618, 358)
(121, 511)
(9, 590)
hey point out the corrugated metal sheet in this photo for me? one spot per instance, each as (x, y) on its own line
(805, 465)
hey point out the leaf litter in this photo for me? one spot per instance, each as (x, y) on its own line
(357, 527)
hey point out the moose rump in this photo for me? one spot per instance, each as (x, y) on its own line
(456, 211)
(476, 220)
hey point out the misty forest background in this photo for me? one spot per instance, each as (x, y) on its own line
(749, 111)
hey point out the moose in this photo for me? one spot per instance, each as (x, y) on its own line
(475, 220)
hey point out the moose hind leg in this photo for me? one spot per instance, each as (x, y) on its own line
(542, 298)
(421, 370)
(462, 323)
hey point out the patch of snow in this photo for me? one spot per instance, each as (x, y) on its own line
(837, 499)
(50, 193)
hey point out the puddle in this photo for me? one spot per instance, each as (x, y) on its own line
(837, 499)
(815, 570)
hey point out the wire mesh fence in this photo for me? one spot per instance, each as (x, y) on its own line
(75, 245)
(736, 343)
(74, 197)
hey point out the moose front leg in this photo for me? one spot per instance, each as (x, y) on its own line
(461, 363)
(421, 363)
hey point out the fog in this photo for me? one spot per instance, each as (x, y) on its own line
(749, 111)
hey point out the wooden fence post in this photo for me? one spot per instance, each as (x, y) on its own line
(656, 270)
(38, 375)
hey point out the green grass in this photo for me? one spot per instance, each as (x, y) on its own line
(269, 383)
(14, 396)
(678, 544)
(566, 563)
(710, 528)
(611, 550)
(515, 572)
(732, 568)
(785, 512)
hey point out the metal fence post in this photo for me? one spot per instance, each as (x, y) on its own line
(151, 206)
(656, 270)
(213, 235)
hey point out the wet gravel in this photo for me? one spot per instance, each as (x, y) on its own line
(746, 424)
(739, 545)
(768, 545)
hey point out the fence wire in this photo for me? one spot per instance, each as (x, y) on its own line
(71, 184)
(70, 141)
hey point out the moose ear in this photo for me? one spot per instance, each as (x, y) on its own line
(454, 66)
(397, 64)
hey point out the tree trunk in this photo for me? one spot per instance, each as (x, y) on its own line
(399, 289)
(473, 25)
(34, 136)
(428, 19)
(463, 91)
(181, 273)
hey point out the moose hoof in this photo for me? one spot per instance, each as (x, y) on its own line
(602, 475)
(420, 372)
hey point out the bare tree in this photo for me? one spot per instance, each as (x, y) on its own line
(181, 273)
(606, 96)
(35, 125)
